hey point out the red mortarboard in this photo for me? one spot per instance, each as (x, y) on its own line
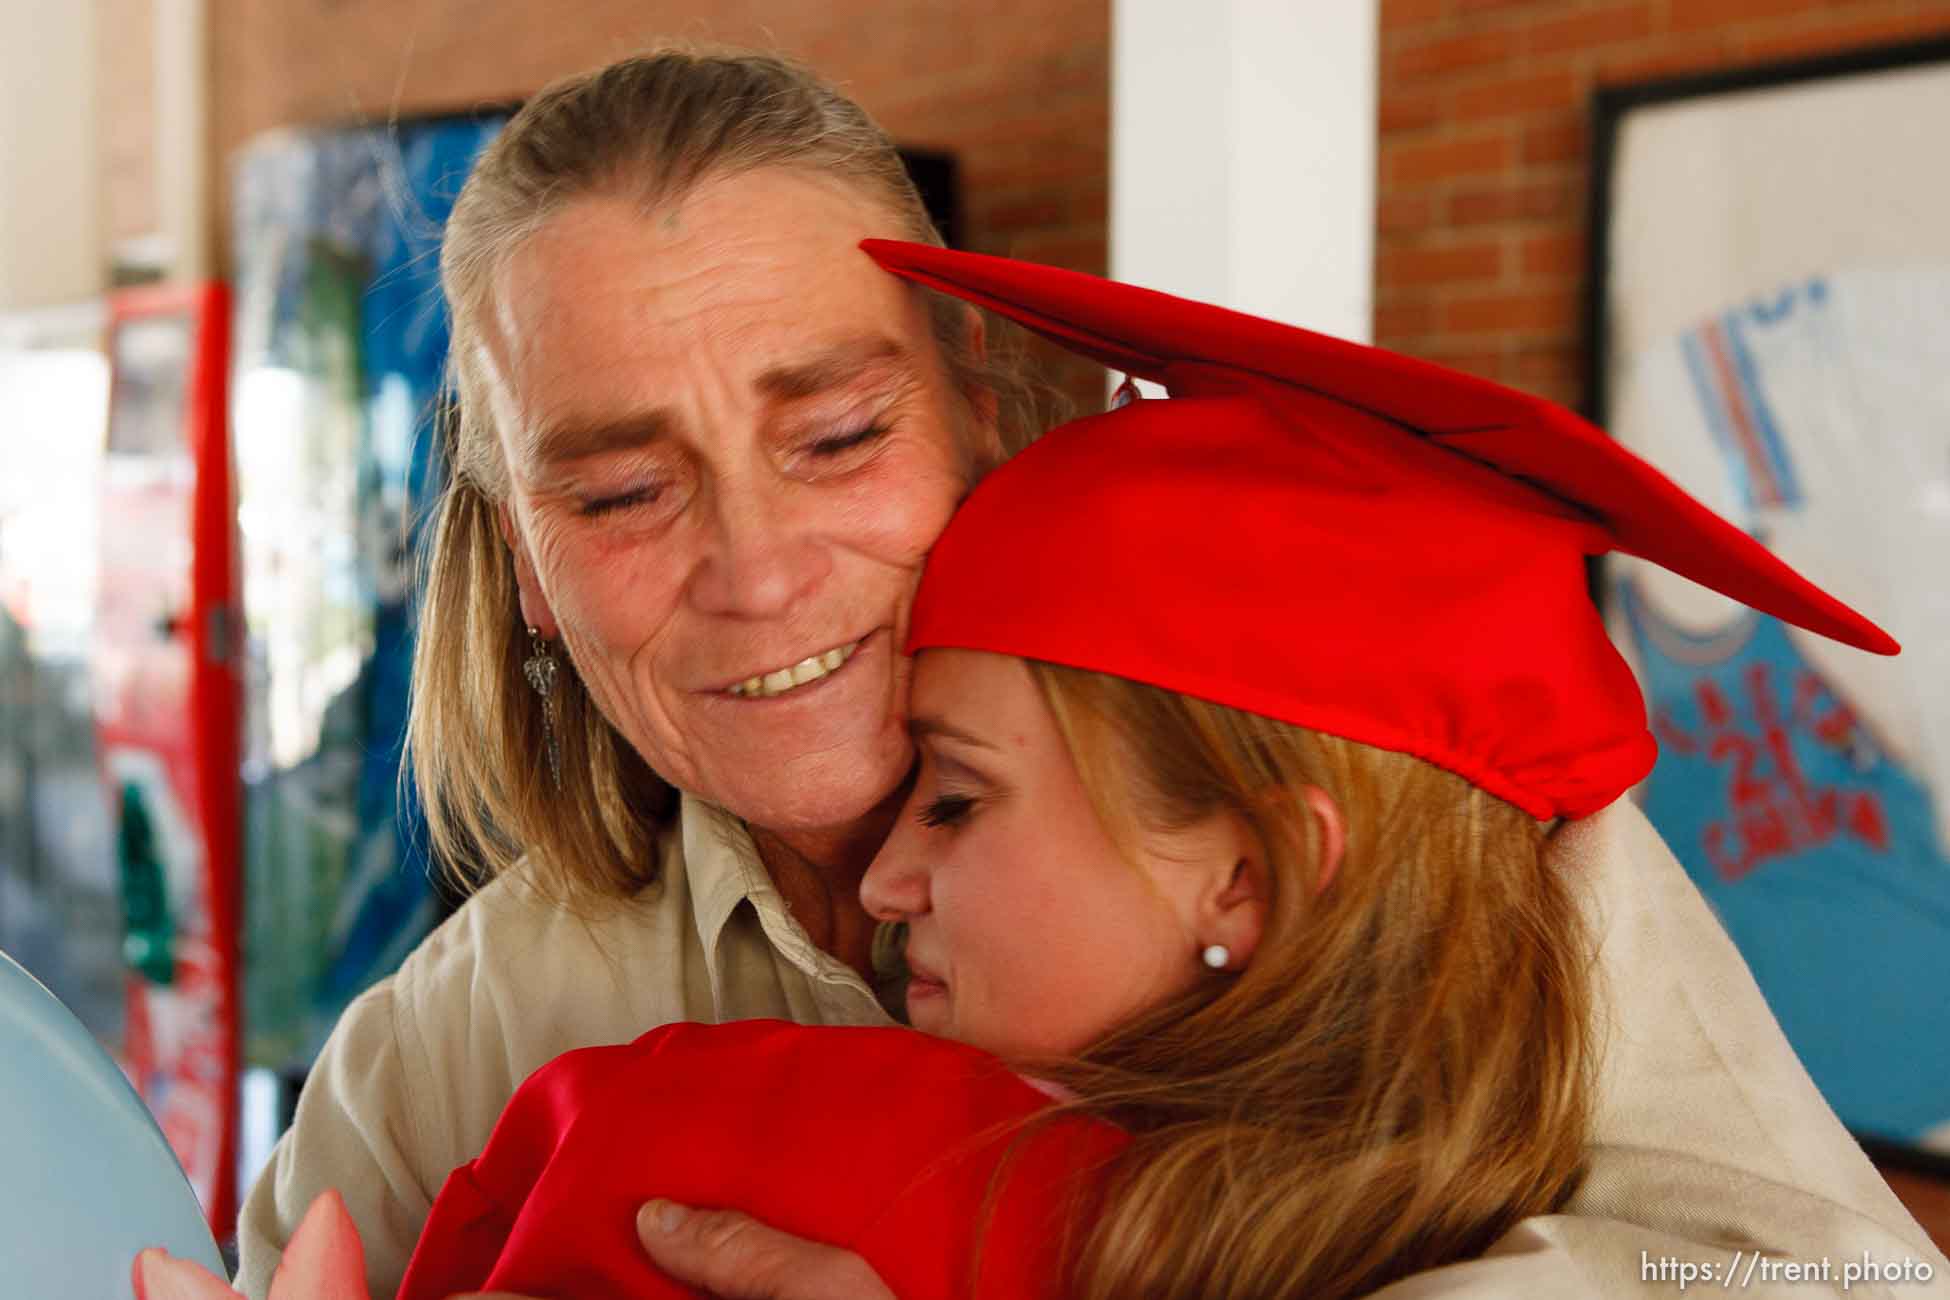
(1328, 534)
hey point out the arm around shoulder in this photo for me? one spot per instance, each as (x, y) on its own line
(416, 1072)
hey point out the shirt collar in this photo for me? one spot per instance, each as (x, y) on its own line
(723, 869)
(722, 865)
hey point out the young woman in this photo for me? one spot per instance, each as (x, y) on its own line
(1242, 718)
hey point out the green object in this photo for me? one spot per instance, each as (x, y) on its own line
(148, 929)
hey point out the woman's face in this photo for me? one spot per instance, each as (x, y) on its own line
(1030, 934)
(731, 440)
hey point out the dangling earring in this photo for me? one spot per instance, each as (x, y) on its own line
(541, 671)
(1217, 956)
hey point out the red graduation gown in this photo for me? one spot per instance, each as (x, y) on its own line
(881, 1141)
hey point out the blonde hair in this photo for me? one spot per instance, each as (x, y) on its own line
(648, 129)
(1403, 1069)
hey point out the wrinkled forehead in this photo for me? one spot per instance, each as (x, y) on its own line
(751, 289)
(752, 264)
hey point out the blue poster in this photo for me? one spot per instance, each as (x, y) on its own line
(1804, 785)
(342, 340)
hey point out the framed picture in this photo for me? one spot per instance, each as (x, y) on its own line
(341, 345)
(1770, 325)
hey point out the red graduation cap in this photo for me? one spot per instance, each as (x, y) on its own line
(1328, 534)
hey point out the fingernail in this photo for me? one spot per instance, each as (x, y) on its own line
(664, 1216)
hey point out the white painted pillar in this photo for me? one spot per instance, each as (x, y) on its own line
(183, 137)
(1243, 155)
(50, 154)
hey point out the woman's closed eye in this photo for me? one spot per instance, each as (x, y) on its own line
(945, 810)
(840, 443)
(595, 507)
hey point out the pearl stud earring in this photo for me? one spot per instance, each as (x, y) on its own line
(1217, 956)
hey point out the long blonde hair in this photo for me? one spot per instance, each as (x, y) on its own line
(648, 129)
(1401, 1072)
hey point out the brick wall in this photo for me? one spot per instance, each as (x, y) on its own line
(1482, 104)
(1483, 155)
(1018, 89)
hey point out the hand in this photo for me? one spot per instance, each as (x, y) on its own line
(324, 1260)
(735, 1257)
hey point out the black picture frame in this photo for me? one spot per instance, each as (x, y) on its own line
(1610, 105)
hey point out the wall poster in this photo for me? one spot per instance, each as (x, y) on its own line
(1771, 327)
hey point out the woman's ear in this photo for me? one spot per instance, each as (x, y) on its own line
(535, 611)
(1330, 834)
(978, 333)
(983, 404)
(1231, 909)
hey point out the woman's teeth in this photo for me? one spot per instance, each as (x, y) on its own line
(806, 670)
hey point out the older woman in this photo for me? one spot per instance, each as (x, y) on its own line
(704, 446)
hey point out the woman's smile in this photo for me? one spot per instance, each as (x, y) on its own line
(769, 684)
(779, 691)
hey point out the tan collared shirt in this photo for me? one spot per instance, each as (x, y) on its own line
(1710, 1141)
(419, 1068)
